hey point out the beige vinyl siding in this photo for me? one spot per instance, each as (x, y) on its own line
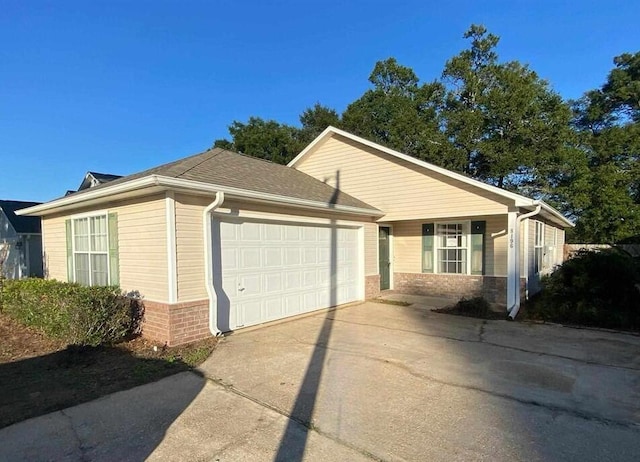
(400, 189)
(407, 245)
(560, 251)
(370, 249)
(54, 242)
(142, 243)
(142, 246)
(190, 246)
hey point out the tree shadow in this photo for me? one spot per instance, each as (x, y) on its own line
(41, 385)
(294, 440)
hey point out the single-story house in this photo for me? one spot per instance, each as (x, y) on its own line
(20, 241)
(220, 241)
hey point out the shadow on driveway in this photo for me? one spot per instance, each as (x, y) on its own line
(128, 425)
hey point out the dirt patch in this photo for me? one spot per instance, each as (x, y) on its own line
(40, 375)
(476, 307)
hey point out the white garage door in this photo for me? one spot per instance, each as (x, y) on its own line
(271, 270)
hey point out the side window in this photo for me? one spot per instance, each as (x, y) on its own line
(538, 246)
(92, 253)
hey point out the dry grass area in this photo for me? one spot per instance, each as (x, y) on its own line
(40, 375)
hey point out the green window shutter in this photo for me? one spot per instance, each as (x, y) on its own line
(114, 261)
(478, 230)
(427, 247)
(68, 225)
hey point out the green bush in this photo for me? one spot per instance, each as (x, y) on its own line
(76, 314)
(599, 289)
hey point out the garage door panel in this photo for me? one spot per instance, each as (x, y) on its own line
(309, 256)
(228, 232)
(272, 270)
(292, 303)
(293, 281)
(230, 285)
(273, 257)
(250, 232)
(250, 258)
(230, 258)
(274, 308)
(273, 283)
(292, 257)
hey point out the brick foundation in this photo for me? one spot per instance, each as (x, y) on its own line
(176, 323)
(493, 288)
(372, 286)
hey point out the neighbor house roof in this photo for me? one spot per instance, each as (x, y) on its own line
(232, 173)
(519, 200)
(22, 225)
(93, 179)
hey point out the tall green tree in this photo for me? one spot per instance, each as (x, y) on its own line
(606, 195)
(265, 139)
(400, 113)
(506, 125)
(315, 120)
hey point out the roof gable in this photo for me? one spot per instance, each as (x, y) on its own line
(22, 225)
(516, 200)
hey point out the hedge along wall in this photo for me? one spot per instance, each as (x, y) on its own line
(76, 314)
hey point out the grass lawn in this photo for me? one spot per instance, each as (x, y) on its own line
(40, 375)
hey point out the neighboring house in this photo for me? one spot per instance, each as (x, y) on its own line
(93, 179)
(220, 241)
(23, 240)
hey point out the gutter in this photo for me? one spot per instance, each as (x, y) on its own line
(513, 311)
(196, 186)
(208, 263)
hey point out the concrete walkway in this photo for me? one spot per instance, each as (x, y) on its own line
(369, 382)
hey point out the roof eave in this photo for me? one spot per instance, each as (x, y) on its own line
(160, 183)
(555, 215)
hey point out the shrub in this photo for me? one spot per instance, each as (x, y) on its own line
(594, 289)
(76, 314)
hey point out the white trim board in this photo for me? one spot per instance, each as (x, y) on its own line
(172, 276)
(519, 200)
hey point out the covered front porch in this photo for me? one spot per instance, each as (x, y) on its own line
(453, 257)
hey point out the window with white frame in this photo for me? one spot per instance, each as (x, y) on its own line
(91, 250)
(451, 248)
(454, 247)
(538, 246)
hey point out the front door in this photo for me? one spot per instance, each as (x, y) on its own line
(383, 259)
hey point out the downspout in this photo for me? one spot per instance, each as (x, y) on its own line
(513, 311)
(208, 263)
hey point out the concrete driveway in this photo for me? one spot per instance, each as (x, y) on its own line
(370, 382)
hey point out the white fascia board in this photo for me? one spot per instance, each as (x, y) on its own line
(265, 197)
(107, 191)
(556, 216)
(195, 186)
(325, 134)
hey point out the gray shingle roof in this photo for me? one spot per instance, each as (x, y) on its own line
(225, 168)
(21, 224)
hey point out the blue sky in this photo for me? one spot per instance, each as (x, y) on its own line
(119, 86)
